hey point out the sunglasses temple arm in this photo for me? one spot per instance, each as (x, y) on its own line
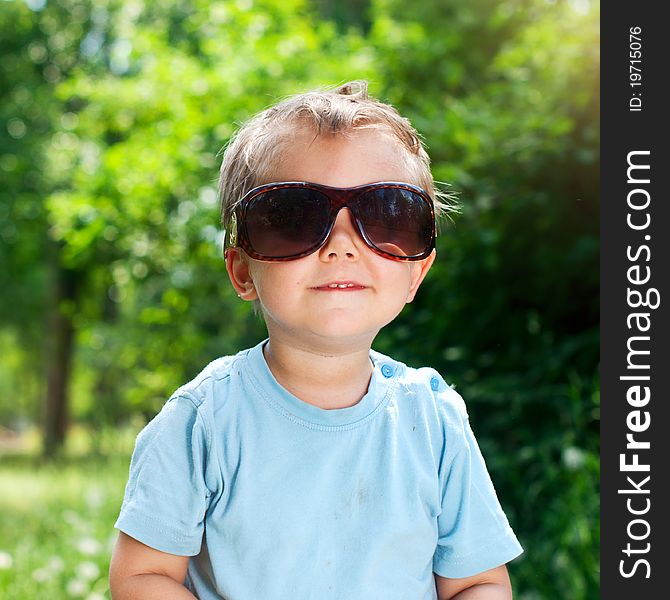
(230, 235)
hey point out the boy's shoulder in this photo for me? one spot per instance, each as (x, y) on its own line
(211, 376)
(423, 384)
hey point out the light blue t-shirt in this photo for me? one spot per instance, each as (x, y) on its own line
(273, 497)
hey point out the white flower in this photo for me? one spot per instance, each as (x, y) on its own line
(76, 587)
(573, 458)
(94, 497)
(95, 596)
(111, 540)
(71, 518)
(88, 570)
(42, 574)
(5, 560)
(88, 546)
(56, 564)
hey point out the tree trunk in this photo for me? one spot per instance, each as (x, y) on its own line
(60, 344)
(107, 380)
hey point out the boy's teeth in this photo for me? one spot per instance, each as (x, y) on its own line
(340, 285)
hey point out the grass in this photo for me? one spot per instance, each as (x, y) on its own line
(57, 521)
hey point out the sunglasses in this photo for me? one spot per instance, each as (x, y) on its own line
(289, 220)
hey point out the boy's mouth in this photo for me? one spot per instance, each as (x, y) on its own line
(339, 286)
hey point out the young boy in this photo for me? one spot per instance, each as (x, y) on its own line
(310, 466)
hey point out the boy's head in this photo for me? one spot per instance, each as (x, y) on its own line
(371, 243)
(255, 152)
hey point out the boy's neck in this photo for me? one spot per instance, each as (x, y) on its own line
(325, 380)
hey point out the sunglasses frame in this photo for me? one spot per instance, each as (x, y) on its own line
(338, 198)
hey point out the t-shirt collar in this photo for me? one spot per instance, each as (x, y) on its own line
(383, 379)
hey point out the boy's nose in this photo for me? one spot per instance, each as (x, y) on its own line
(343, 241)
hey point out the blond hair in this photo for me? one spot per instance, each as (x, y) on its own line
(255, 151)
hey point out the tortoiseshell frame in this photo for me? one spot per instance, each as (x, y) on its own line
(339, 198)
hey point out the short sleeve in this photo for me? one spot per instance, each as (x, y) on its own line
(473, 532)
(166, 496)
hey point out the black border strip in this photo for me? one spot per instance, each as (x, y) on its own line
(634, 128)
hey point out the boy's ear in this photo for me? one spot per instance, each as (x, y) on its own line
(237, 265)
(419, 271)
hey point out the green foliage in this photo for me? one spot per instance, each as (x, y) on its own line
(25, 122)
(113, 115)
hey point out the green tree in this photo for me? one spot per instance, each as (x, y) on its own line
(40, 47)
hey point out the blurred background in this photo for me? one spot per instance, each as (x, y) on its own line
(113, 291)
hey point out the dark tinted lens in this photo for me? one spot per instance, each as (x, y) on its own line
(397, 221)
(286, 222)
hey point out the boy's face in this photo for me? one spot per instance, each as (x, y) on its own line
(297, 297)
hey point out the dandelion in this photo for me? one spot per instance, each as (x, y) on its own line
(111, 540)
(88, 570)
(88, 546)
(94, 497)
(55, 565)
(573, 458)
(76, 587)
(5, 560)
(42, 574)
(71, 518)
